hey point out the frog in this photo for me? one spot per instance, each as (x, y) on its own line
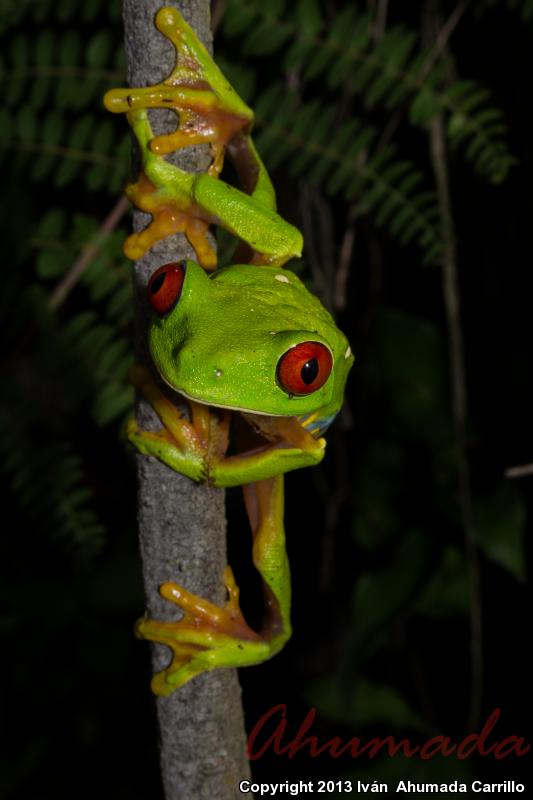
(247, 346)
(252, 342)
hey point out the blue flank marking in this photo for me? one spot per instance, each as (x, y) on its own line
(319, 426)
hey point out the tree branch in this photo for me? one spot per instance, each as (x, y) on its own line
(181, 524)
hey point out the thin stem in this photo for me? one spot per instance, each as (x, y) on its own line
(443, 36)
(519, 471)
(451, 295)
(381, 19)
(343, 267)
(441, 42)
(312, 239)
(88, 254)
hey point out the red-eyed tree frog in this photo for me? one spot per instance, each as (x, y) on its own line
(247, 341)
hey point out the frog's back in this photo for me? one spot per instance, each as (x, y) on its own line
(279, 291)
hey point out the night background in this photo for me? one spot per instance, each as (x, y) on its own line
(411, 501)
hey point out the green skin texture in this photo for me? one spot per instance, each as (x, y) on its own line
(220, 346)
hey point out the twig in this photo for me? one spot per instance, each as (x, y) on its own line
(312, 239)
(443, 36)
(451, 295)
(87, 255)
(381, 19)
(343, 267)
(519, 471)
(348, 240)
(440, 43)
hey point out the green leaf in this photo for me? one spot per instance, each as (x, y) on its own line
(19, 50)
(81, 132)
(66, 171)
(500, 524)
(52, 263)
(265, 38)
(52, 128)
(99, 49)
(238, 19)
(41, 88)
(13, 93)
(96, 177)
(409, 359)
(424, 107)
(65, 9)
(447, 593)
(70, 47)
(380, 596)
(380, 492)
(44, 48)
(242, 78)
(82, 229)
(113, 402)
(65, 94)
(309, 17)
(90, 10)
(52, 225)
(103, 138)
(26, 124)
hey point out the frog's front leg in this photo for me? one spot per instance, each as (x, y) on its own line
(209, 111)
(185, 446)
(197, 448)
(208, 637)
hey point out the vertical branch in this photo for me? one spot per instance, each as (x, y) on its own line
(181, 524)
(452, 304)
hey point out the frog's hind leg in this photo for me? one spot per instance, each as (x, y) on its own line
(264, 505)
(209, 636)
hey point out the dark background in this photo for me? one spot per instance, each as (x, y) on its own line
(376, 537)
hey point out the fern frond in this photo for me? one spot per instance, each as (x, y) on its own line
(388, 72)
(341, 159)
(60, 71)
(95, 341)
(49, 483)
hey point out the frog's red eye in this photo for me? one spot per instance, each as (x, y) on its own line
(164, 287)
(304, 368)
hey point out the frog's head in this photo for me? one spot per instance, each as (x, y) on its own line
(249, 338)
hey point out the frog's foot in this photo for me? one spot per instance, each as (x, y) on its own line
(208, 108)
(184, 445)
(166, 222)
(170, 215)
(205, 638)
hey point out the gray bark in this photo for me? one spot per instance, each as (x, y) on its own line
(181, 525)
